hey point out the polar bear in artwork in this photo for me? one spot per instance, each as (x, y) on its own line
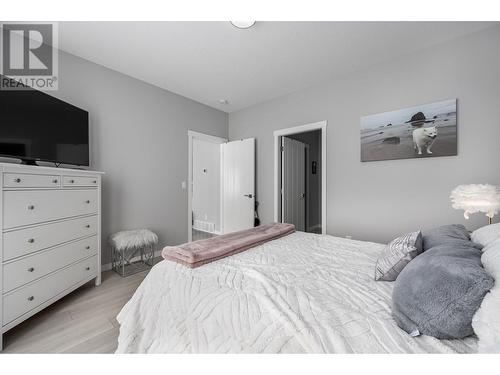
(424, 138)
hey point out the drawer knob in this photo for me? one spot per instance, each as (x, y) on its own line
(88, 202)
(31, 269)
(71, 181)
(95, 181)
(54, 181)
(31, 240)
(31, 207)
(87, 247)
(87, 226)
(87, 269)
(31, 298)
(18, 180)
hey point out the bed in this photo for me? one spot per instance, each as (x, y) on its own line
(302, 293)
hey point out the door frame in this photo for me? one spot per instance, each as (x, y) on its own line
(203, 137)
(321, 125)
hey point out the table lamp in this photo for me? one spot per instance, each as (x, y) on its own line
(477, 198)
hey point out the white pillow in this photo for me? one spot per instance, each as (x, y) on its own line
(486, 321)
(486, 235)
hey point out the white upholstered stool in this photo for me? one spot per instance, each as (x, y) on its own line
(133, 250)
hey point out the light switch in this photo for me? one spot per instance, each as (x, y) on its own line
(183, 185)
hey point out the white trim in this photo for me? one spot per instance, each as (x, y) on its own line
(221, 197)
(217, 233)
(321, 125)
(204, 137)
(99, 233)
(307, 184)
(281, 175)
(313, 228)
(106, 267)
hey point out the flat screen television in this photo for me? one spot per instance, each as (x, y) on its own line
(36, 126)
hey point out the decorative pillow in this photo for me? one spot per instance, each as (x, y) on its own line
(486, 321)
(397, 255)
(438, 293)
(446, 234)
(487, 234)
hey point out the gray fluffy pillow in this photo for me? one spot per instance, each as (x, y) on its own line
(446, 234)
(439, 291)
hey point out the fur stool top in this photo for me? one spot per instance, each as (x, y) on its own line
(133, 239)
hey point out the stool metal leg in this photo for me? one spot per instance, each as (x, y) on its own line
(119, 261)
(149, 255)
(124, 265)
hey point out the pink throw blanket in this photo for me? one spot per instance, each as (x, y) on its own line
(198, 253)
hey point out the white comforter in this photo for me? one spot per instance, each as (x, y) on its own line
(301, 293)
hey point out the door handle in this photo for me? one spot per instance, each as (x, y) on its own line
(249, 195)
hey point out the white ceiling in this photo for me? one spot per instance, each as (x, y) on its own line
(209, 61)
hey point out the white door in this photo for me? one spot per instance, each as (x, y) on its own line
(238, 185)
(293, 177)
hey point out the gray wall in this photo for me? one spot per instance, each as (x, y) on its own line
(138, 136)
(378, 200)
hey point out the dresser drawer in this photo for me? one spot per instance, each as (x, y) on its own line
(78, 181)
(25, 270)
(31, 207)
(21, 242)
(21, 180)
(21, 301)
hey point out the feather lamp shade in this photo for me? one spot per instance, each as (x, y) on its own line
(476, 198)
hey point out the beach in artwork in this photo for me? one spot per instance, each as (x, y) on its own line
(389, 135)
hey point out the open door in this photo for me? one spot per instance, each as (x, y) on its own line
(238, 185)
(293, 183)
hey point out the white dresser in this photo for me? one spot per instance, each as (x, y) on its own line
(51, 237)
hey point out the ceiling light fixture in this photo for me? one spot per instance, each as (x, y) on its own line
(223, 101)
(243, 24)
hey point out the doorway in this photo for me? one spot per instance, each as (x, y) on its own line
(204, 184)
(221, 185)
(300, 177)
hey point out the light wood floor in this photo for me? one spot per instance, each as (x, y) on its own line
(82, 322)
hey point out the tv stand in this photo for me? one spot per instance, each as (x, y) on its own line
(28, 162)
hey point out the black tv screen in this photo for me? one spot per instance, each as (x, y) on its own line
(37, 126)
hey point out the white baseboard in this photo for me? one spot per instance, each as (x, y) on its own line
(105, 267)
(204, 226)
(216, 232)
(314, 228)
(108, 266)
